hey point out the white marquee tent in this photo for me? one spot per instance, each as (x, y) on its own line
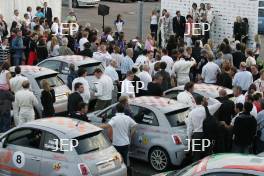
(7, 7)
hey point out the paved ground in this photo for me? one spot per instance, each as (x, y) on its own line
(127, 10)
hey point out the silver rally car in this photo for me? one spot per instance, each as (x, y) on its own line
(160, 136)
(33, 149)
(35, 76)
(61, 64)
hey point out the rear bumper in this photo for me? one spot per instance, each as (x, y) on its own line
(177, 155)
(120, 172)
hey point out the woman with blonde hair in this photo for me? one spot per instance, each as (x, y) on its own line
(149, 43)
(53, 47)
(47, 99)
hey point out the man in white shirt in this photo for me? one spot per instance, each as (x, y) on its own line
(29, 12)
(195, 120)
(123, 127)
(16, 18)
(55, 27)
(181, 69)
(82, 73)
(145, 78)
(127, 88)
(15, 86)
(25, 101)
(186, 96)
(209, 13)
(142, 59)
(102, 55)
(111, 71)
(83, 40)
(243, 78)
(239, 97)
(104, 87)
(210, 71)
(167, 59)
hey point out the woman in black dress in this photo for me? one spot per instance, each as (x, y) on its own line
(47, 99)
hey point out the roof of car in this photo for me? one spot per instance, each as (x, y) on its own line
(34, 71)
(75, 59)
(71, 127)
(207, 90)
(164, 104)
(235, 161)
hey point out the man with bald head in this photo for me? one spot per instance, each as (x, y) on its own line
(25, 101)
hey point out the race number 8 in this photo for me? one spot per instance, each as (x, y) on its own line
(19, 159)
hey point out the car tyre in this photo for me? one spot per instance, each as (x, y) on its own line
(159, 159)
(75, 4)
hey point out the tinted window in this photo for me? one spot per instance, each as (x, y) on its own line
(91, 67)
(53, 65)
(92, 142)
(65, 68)
(53, 80)
(26, 137)
(261, 13)
(175, 118)
(261, 3)
(51, 143)
(144, 116)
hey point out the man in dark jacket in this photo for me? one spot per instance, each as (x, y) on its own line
(87, 51)
(47, 11)
(166, 82)
(179, 23)
(6, 98)
(244, 130)
(238, 56)
(75, 98)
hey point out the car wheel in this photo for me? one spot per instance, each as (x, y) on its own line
(75, 4)
(159, 159)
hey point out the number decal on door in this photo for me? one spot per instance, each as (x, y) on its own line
(19, 159)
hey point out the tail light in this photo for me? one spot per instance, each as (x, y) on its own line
(84, 170)
(176, 139)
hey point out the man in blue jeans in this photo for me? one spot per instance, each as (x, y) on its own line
(6, 98)
(123, 127)
(18, 48)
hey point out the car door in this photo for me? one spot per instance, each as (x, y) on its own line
(54, 160)
(145, 130)
(25, 152)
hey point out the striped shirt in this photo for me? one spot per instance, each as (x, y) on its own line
(126, 65)
(4, 53)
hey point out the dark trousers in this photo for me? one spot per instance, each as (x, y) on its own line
(101, 104)
(241, 148)
(154, 30)
(5, 121)
(198, 153)
(123, 150)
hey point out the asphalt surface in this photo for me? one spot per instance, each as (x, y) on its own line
(127, 10)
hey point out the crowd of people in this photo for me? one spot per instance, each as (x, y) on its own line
(137, 68)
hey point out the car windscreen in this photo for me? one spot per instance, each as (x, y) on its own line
(91, 67)
(92, 142)
(177, 118)
(53, 80)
